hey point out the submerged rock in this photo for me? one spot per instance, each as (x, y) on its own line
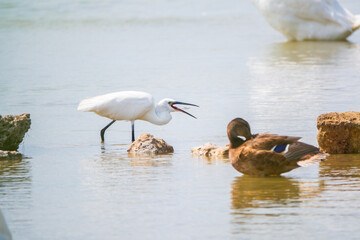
(339, 132)
(210, 150)
(12, 130)
(147, 144)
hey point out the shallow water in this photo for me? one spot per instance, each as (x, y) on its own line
(221, 55)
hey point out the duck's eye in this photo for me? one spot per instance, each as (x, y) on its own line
(242, 138)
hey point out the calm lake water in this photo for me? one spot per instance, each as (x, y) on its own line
(219, 54)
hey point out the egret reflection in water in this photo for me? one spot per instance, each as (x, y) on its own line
(117, 155)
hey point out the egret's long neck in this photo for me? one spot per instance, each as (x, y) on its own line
(158, 115)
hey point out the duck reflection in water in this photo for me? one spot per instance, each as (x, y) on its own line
(259, 192)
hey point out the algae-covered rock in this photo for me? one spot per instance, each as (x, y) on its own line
(339, 132)
(210, 150)
(12, 130)
(147, 144)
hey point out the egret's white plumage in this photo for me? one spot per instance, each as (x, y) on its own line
(126, 105)
(309, 19)
(131, 106)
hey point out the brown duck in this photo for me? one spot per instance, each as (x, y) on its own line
(267, 154)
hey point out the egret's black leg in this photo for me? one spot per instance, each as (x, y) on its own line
(102, 132)
(133, 130)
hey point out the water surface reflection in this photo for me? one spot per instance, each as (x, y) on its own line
(114, 165)
(263, 207)
(118, 153)
(250, 192)
(311, 53)
(341, 166)
(15, 174)
(302, 77)
(16, 193)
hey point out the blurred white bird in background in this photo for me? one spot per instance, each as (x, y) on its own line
(131, 106)
(309, 19)
(4, 230)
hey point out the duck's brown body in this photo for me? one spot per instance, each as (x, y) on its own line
(254, 154)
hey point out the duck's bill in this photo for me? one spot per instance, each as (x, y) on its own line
(180, 110)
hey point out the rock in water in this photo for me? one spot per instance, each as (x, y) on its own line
(339, 132)
(10, 155)
(12, 130)
(210, 150)
(147, 144)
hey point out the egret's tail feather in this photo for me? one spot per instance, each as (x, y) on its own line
(314, 159)
(86, 105)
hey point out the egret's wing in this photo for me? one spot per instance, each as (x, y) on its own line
(126, 105)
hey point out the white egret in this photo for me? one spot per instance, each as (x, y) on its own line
(131, 106)
(309, 19)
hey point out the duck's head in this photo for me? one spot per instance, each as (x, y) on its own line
(238, 131)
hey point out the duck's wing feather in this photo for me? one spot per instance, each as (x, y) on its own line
(269, 141)
(286, 146)
(304, 154)
(298, 150)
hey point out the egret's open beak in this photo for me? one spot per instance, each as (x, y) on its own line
(178, 109)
